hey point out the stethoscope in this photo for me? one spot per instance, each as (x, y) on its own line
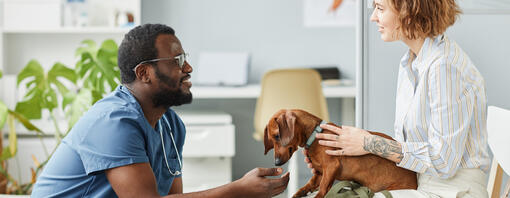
(175, 146)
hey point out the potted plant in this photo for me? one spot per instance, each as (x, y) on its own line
(72, 90)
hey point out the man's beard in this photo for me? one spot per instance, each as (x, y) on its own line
(167, 98)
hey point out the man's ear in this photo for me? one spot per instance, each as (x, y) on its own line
(267, 143)
(143, 72)
(287, 133)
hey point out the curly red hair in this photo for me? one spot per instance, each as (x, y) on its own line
(424, 18)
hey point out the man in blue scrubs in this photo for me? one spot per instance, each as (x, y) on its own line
(129, 144)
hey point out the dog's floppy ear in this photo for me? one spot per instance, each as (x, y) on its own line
(287, 133)
(267, 144)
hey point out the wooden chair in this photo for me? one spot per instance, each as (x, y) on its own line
(498, 128)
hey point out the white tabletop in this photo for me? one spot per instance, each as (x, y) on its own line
(253, 91)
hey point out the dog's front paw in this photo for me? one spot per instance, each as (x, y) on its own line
(301, 193)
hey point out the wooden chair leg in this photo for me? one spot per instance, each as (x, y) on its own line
(497, 182)
(507, 189)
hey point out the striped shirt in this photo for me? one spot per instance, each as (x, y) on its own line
(441, 110)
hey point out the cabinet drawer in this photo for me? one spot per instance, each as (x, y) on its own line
(209, 141)
(205, 173)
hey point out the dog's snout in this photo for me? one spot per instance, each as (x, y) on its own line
(278, 161)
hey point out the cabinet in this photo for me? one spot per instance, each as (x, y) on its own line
(208, 149)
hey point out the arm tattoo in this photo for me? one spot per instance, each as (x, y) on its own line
(383, 147)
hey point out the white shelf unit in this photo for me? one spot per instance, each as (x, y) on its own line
(67, 30)
(28, 31)
(207, 163)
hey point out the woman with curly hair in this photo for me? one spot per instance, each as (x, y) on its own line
(440, 120)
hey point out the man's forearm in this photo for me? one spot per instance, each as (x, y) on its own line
(227, 190)
(389, 149)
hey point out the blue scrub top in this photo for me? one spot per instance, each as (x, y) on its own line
(113, 133)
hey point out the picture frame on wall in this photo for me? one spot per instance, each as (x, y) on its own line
(485, 6)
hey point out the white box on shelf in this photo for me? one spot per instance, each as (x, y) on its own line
(31, 14)
(223, 68)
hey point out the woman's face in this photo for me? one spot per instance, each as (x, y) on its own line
(386, 20)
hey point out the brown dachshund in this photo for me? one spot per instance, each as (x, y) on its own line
(288, 129)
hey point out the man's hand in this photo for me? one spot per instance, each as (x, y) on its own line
(255, 183)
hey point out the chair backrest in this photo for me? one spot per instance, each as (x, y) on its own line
(289, 89)
(498, 129)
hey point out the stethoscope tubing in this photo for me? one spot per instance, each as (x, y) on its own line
(175, 147)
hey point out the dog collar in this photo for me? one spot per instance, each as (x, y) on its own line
(317, 129)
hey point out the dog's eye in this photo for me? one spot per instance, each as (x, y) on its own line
(277, 137)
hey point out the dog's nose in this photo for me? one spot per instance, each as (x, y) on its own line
(278, 162)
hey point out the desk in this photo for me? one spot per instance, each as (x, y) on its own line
(253, 91)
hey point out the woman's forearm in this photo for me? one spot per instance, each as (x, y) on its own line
(389, 149)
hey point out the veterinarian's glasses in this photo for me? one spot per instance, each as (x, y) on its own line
(181, 59)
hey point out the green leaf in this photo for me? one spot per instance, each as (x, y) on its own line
(6, 154)
(31, 108)
(60, 70)
(81, 102)
(57, 72)
(1, 73)
(98, 67)
(32, 69)
(3, 114)
(68, 98)
(50, 99)
(13, 143)
(96, 96)
(90, 43)
(27, 124)
(86, 46)
(110, 46)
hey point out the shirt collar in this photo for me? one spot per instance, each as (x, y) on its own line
(125, 90)
(419, 62)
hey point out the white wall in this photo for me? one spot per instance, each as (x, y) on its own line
(272, 31)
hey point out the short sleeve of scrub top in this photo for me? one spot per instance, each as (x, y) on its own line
(114, 139)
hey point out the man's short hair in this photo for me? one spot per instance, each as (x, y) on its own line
(424, 18)
(139, 45)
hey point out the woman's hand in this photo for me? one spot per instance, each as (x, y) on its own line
(307, 160)
(347, 140)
